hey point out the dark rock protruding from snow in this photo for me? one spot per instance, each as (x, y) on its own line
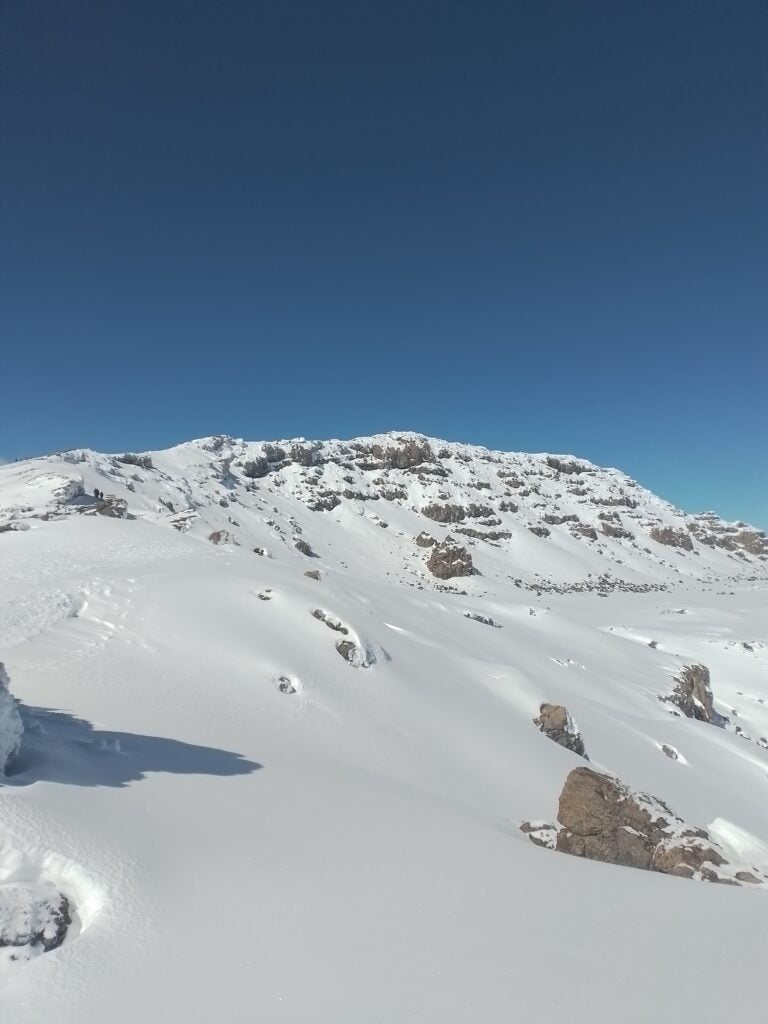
(129, 459)
(693, 695)
(556, 724)
(220, 537)
(313, 574)
(602, 819)
(303, 547)
(425, 540)
(448, 560)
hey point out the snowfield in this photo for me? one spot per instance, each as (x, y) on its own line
(295, 800)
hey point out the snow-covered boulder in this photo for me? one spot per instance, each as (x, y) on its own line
(10, 722)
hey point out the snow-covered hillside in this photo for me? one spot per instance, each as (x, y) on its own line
(279, 706)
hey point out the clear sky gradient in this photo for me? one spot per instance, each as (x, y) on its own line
(531, 224)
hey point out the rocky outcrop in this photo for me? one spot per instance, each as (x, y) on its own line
(304, 548)
(324, 501)
(448, 560)
(557, 725)
(129, 459)
(313, 574)
(444, 513)
(693, 695)
(615, 531)
(273, 453)
(254, 469)
(11, 728)
(303, 455)
(566, 465)
(408, 453)
(113, 508)
(33, 919)
(539, 531)
(602, 819)
(425, 540)
(672, 538)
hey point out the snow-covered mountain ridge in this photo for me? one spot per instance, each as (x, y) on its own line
(542, 519)
(298, 719)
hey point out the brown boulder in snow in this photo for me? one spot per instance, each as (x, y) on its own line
(448, 560)
(556, 724)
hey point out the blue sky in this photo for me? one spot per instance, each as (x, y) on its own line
(536, 225)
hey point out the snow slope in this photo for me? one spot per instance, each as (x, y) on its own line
(350, 851)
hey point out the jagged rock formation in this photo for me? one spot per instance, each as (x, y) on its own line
(448, 560)
(693, 695)
(602, 819)
(557, 725)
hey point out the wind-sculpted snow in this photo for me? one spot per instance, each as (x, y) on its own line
(281, 775)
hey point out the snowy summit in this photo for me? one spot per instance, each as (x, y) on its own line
(380, 730)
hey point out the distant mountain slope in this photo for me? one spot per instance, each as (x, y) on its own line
(540, 520)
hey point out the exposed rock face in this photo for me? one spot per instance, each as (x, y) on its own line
(256, 468)
(616, 531)
(556, 724)
(553, 520)
(11, 728)
(693, 695)
(444, 513)
(325, 501)
(673, 538)
(539, 531)
(448, 560)
(603, 820)
(273, 453)
(303, 455)
(33, 918)
(129, 459)
(566, 465)
(409, 453)
(425, 540)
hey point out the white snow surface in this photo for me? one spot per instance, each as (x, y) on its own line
(350, 851)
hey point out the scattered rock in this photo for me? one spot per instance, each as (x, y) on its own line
(425, 540)
(330, 621)
(556, 724)
(670, 751)
(313, 574)
(286, 685)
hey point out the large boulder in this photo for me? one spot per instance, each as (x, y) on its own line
(448, 559)
(11, 728)
(556, 724)
(602, 819)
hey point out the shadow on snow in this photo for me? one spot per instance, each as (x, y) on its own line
(58, 747)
